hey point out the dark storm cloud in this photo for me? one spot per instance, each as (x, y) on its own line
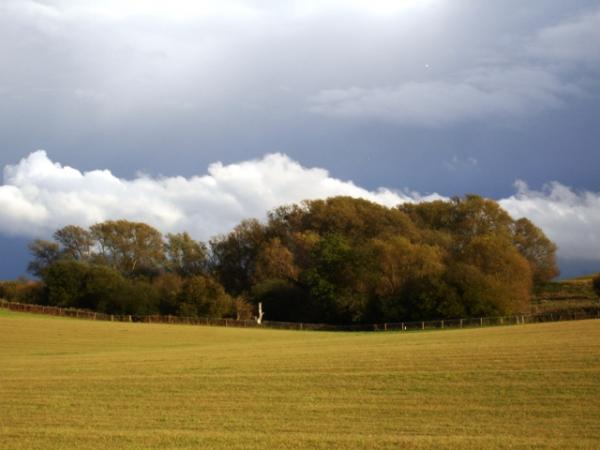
(80, 67)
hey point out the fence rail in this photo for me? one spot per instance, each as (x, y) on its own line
(472, 322)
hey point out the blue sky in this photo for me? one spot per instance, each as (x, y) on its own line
(135, 103)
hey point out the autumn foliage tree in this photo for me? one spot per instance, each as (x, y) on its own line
(338, 260)
(122, 267)
(349, 260)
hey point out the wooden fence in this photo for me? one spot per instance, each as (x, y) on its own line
(473, 322)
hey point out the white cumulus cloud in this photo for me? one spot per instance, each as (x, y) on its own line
(39, 196)
(569, 218)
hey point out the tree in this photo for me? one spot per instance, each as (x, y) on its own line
(397, 260)
(44, 253)
(131, 247)
(274, 261)
(284, 301)
(102, 289)
(168, 287)
(234, 255)
(336, 281)
(499, 279)
(398, 275)
(355, 219)
(185, 256)
(76, 242)
(65, 283)
(539, 251)
(202, 296)
(241, 309)
(337, 260)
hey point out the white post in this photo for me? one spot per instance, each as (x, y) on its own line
(261, 313)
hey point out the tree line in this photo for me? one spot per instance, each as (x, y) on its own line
(339, 260)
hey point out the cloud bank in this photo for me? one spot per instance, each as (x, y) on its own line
(569, 218)
(476, 95)
(39, 195)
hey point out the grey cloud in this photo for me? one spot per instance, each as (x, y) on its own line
(571, 41)
(172, 86)
(479, 94)
(39, 195)
(87, 65)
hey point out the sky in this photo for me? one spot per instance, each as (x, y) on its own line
(192, 115)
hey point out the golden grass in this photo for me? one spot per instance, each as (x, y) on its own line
(66, 383)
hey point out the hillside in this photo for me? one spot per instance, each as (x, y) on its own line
(571, 294)
(82, 384)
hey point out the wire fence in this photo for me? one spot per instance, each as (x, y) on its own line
(472, 322)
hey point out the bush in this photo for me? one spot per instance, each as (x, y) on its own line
(596, 284)
(202, 296)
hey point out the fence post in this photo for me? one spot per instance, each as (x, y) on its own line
(385, 327)
(422, 325)
(225, 323)
(461, 323)
(442, 324)
(129, 318)
(481, 321)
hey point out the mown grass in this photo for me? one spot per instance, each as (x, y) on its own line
(67, 383)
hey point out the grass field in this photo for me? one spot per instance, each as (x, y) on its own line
(67, 383)
(565, 295)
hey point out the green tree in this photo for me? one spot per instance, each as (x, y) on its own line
(336, 280)
(234, 255)
(64, 283)
(102, 289)
(185, 256)
(168, 287)
(75, 241)
(131, 247)
(284, 301)
(44, 253)
(202, 296)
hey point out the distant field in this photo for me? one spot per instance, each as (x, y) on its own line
(566, 295)
(67, 383)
